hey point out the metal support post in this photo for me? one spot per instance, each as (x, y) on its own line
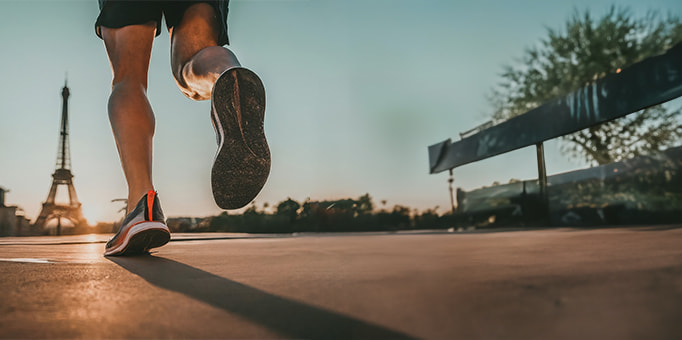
(542, 179)
(452, 197)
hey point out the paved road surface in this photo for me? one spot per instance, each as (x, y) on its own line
(623, 283)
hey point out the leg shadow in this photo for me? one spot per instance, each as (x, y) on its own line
(287, 317)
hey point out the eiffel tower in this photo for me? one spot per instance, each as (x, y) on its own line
(62, 177)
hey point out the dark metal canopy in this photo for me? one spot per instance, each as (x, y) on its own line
(650, 82)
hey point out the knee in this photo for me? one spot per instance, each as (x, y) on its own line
(127, 84)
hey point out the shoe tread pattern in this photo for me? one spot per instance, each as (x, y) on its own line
(242, 163)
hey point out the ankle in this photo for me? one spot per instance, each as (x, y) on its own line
(134, 197)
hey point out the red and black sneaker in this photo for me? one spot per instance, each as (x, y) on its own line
(242, 162)
(143, 229)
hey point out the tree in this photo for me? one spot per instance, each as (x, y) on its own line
(365, 204)
(289, 208)
(586, 51)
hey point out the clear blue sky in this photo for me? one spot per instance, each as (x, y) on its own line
(356, 91)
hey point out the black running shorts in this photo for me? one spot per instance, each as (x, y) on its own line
(120, 13)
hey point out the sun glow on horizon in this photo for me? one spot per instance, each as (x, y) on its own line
(93, 215)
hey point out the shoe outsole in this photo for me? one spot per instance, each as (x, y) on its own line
(141, 239)
(242, 163)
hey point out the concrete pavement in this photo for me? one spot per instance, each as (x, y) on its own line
(621, 283)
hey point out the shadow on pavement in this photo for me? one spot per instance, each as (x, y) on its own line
(287, 317)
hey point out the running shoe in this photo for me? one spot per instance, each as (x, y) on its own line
(242, 162)
(143, 229)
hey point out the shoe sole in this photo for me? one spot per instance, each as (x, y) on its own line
(141, 238)
(242, 162)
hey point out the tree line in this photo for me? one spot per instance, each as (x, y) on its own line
(342, 215)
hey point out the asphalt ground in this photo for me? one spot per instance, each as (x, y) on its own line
(615, 283)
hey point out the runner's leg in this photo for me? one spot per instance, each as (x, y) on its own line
(131, 116)
(196, 58)
(242, 162)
